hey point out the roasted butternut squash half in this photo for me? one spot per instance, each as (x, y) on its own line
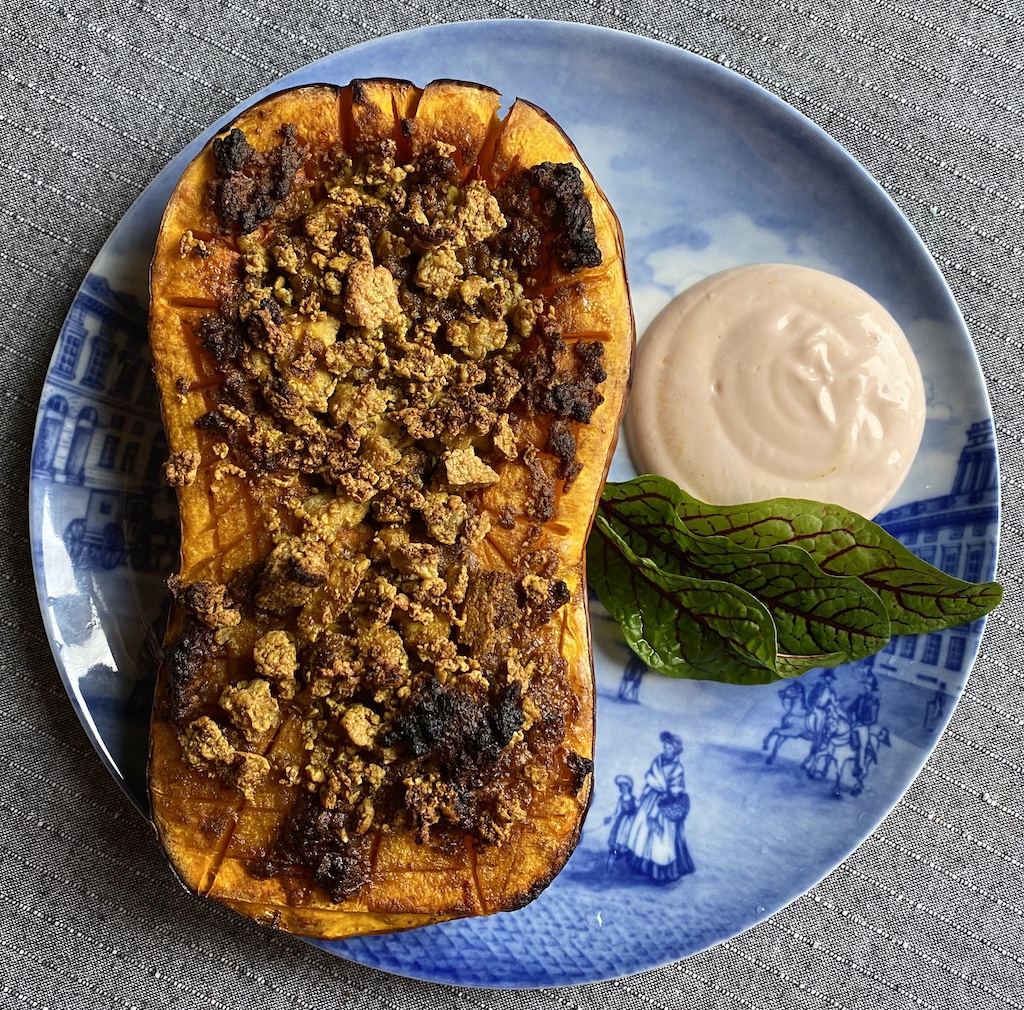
(392, 337)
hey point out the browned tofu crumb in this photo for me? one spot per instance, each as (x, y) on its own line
(361, 724)
(205, 746)
(182, 468)
(248, 772)
(371, 296)
(277, 661)
(209, 601)
(251, 707)
(191, 245)
(464, 468)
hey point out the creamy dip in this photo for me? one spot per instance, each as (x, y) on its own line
(772, 380)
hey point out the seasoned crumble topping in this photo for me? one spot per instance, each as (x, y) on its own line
(190, 245)
(251, 707)
(388, 350)
(181, 468)
(207, 748)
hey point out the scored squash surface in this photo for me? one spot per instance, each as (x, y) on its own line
(392, 338)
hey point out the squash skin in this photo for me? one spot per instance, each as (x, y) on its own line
(221, 842)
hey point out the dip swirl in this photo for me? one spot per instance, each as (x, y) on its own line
(773, 380)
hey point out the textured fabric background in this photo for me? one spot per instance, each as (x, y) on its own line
(96, 97)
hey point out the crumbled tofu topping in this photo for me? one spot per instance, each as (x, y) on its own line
(251, 707)
(210, 602)
(190, 245)
(277, 661)
(205, 744)
(248, 772)
(504, 438)
(387, 359)
(360, 723)
(464, 468)
(371, 296)
(182, 468)
(206, 747)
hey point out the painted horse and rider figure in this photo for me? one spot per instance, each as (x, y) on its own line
(843, 733)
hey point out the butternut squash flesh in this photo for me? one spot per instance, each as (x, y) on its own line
(392, 337)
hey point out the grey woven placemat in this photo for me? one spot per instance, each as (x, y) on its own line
(928, 912)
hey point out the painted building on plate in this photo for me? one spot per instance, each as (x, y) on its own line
(956, 533)
(99, 430)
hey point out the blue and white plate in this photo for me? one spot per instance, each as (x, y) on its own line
(706, 171)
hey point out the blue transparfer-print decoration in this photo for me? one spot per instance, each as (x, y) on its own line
(100, 431)
(841, 734)
(649, 835)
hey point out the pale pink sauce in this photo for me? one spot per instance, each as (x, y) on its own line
(772, 380)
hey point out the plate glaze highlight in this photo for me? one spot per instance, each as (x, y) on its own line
(706, 171)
